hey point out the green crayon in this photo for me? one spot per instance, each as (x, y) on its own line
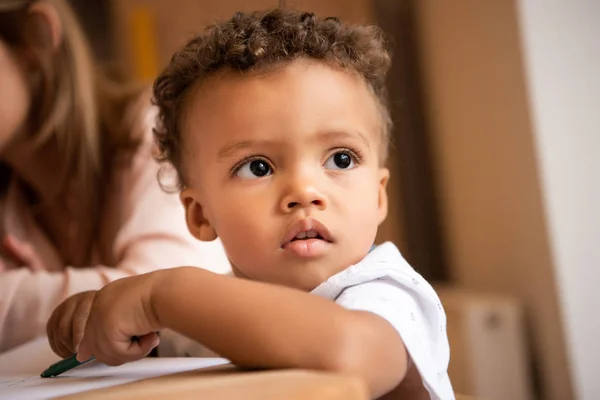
(63, 366)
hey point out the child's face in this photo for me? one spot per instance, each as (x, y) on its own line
(285, 168)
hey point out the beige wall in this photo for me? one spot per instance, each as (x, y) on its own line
(173, 21)
(562, 53)
(177, 20)
(486, 166)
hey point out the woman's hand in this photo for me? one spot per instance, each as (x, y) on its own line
(121, 326)
(67, 323)
(20, 254)
(7, 261)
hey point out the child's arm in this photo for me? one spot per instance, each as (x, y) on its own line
(252, 324)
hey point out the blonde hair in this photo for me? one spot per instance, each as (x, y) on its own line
(73, 102)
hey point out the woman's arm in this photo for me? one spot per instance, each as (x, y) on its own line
(145, 230)
(28, 297)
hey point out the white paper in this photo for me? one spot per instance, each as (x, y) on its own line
(28, 358)
(20, 372)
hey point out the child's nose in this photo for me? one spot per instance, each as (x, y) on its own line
(303, 193)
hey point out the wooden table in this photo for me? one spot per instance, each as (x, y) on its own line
(220, 381)
(227, 382)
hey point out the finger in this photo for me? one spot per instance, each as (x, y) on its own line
(65, 326)
(144, 344)
(107, 350)
(58, 347)
(15, 248)
(117, 353)
(102, 349)
(80, 317)
(6, 263)
(23, 252)
(62, 350)
(84, 352)
(78, 331)
(52, 331)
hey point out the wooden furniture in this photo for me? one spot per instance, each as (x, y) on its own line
(227, 382)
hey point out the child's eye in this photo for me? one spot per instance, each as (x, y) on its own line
(341, 160)
(253, 169)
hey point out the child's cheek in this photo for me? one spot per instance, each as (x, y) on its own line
(242, 233)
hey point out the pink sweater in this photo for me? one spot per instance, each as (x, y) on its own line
(143, 226)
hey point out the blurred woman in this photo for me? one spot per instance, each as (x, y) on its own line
(79, 200)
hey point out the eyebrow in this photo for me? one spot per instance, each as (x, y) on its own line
(338, 135)
(231, 148)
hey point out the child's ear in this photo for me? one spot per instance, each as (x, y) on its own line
(197, 223)
(384, 177)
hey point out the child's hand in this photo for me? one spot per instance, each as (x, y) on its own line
(67, 323)
(121, 311)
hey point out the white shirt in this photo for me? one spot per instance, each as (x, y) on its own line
(382, 283)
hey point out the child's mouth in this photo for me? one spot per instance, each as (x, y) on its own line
(307, 238)
(307, 235)
(307, 246)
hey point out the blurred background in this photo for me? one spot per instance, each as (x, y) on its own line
(495, 188)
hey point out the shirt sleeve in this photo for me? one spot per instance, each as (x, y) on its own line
(417, 318)
(144, 229)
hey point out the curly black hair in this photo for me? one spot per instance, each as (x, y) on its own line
(260, 40)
